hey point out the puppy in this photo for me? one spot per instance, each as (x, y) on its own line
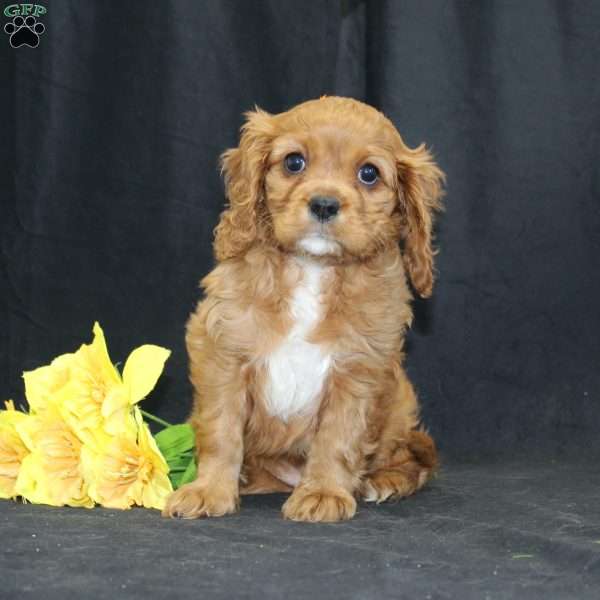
(296, 350)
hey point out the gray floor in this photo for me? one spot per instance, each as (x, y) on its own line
(479, 531)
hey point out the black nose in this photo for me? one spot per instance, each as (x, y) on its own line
(324, 208)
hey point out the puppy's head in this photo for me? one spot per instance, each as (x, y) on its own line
(330, 178)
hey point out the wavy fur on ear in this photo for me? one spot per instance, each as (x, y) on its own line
(422, 189)
(246, 220)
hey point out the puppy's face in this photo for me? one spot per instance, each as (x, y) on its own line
(330, 178)
(331, 184)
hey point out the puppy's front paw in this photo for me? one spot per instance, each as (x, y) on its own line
(193, 501)
(319, 505)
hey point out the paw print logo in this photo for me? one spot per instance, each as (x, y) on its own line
(24, 32)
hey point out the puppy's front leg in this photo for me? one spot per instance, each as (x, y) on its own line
(218, 419)
(336, 456)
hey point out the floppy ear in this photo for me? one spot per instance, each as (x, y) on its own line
(244, 221)
(421, 183)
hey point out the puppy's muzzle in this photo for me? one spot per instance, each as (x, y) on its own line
(323, 208)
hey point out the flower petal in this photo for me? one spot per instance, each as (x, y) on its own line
(99, 359)
(142, 370)
(52, 473)
(42, 383)
(12, 452)
(29, 481)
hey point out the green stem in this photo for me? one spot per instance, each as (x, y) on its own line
(155, 419)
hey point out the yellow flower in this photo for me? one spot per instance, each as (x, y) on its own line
(85, 440)
(12, 449)
(52, 472)
(128, 471)
(97, 397)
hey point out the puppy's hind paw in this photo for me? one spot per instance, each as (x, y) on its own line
(391, 484)
(193, 501)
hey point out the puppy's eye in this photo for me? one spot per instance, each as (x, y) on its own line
(368, 174)
(294, 163)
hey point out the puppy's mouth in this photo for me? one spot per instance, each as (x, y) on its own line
(319, 243)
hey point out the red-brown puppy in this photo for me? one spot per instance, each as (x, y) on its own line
(296, 350)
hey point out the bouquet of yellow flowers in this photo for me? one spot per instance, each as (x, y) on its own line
(84, 440)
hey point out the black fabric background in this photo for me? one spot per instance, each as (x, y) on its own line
(112, 129)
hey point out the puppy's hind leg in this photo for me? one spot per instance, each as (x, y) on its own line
(406, 458)
(407, 470)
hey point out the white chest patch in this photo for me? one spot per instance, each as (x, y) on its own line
(297, 369)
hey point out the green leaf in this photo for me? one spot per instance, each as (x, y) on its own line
(189, 474)
(180, 463)
(175, 440)
(177, 445)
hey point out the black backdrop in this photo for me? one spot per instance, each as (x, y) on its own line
(110, 189)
